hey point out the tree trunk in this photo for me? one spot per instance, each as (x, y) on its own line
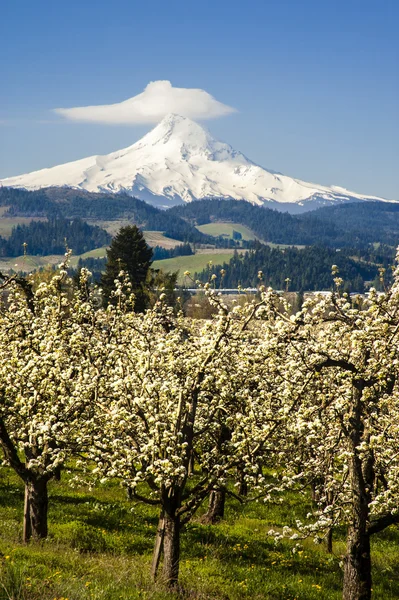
(357, 568)
(215, 513)
(35, 510)
(156, 557)
(316, 488)
(171, 549)
(329, 540)
(27, 531)
(243, 487)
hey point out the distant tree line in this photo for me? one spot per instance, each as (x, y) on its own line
(160, 253)
(51, 237)
(306, 269)
(96, 266)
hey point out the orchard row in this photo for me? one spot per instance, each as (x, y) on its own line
(180, 409)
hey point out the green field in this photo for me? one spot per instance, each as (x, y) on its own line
(96, 253)
(100, 545)
(226, 229)
(194, 263)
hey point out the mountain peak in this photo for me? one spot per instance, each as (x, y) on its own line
(180, 161)
(172, 119)
(178, 129)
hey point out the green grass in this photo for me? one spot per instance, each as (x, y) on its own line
(194, 263)
(96, 253)
(100, 545)
(226, 229)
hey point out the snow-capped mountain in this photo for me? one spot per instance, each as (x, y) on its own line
(179, 161)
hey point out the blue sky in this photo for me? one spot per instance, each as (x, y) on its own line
(315, 83)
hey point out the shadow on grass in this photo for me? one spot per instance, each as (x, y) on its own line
(11, 495)
(70, 499)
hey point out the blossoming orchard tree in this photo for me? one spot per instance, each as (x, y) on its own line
(347, 430)
(178, 388)
(47, 377)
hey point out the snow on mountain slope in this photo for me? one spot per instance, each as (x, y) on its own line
(179, 161)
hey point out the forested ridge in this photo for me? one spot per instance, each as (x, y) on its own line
(52, 237)
(344, 235)
(160, 253)
(71, 204)
(354, 225)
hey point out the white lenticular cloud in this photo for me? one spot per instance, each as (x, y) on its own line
(157, 100)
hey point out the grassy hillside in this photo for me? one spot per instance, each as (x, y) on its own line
(157, 238)
(226, 229)
(29, 263)
(194, 263)
(100, 545)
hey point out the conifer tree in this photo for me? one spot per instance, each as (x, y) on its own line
(129, 252)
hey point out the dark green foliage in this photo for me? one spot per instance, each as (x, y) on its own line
(307, 269)
(128, 251)
(71, 203)
(365, 222)
(31, 204)
(354, 225)
(160, 253)
(158, 282)
(269, 225)
(95, 265)
(51, 237)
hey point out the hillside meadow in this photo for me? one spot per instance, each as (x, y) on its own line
(226, 229)
(195, 263)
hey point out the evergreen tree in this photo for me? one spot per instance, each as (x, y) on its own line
(128, 251)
